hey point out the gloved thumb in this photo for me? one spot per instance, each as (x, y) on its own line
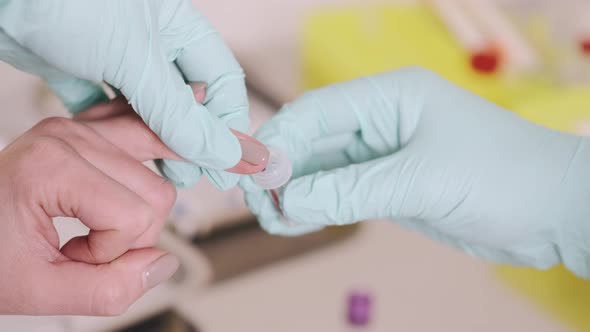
(167, 105)
(104, 290)
(381, 188)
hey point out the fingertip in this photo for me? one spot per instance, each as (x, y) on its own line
(160, 270)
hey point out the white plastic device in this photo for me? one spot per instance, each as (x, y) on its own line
(277, 173)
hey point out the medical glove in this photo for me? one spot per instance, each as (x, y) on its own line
(410, 146)
(145, 49)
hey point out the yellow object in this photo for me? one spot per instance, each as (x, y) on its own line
(343, 44)
(561, 109)
(340, 44)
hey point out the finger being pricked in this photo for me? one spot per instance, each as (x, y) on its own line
(122, 168)
(118, 123)
(129, 133)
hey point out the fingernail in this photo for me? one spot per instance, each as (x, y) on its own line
(253, 151)
(199, 91)
(160, 270)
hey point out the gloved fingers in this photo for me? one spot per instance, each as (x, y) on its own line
(325, 154)
(379, 188)
(221, 101)
(363, 106)
(248, 185)
(318, 114)
(167, 105)
(335, 120)
(269, 218)
(334, 152)
(322, 162)
(222, 180)
(78, 288)
(201, 55)
(319, 120)
(381, 110)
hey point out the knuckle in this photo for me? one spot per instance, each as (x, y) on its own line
(48, 150)
(64, 128)
(110, 299)
(47, 145)
(160, 195)
(43, 157)
(166, 195)
(55, 125)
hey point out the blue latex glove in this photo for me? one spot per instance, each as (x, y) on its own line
(413, 147)
(146, 49)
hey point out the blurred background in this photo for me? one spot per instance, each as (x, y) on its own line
(530, 56)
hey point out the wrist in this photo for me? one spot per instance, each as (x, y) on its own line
(573, 233)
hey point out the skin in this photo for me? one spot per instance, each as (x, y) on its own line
(88, 168)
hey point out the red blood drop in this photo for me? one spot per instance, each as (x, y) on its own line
(485, 62)
(585, 46)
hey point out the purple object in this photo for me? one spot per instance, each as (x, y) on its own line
(359, 309)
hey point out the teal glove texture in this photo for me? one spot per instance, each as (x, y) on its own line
(410, 146)
(146, 49)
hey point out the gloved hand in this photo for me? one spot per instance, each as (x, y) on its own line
(410, 146)
(146, 49)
